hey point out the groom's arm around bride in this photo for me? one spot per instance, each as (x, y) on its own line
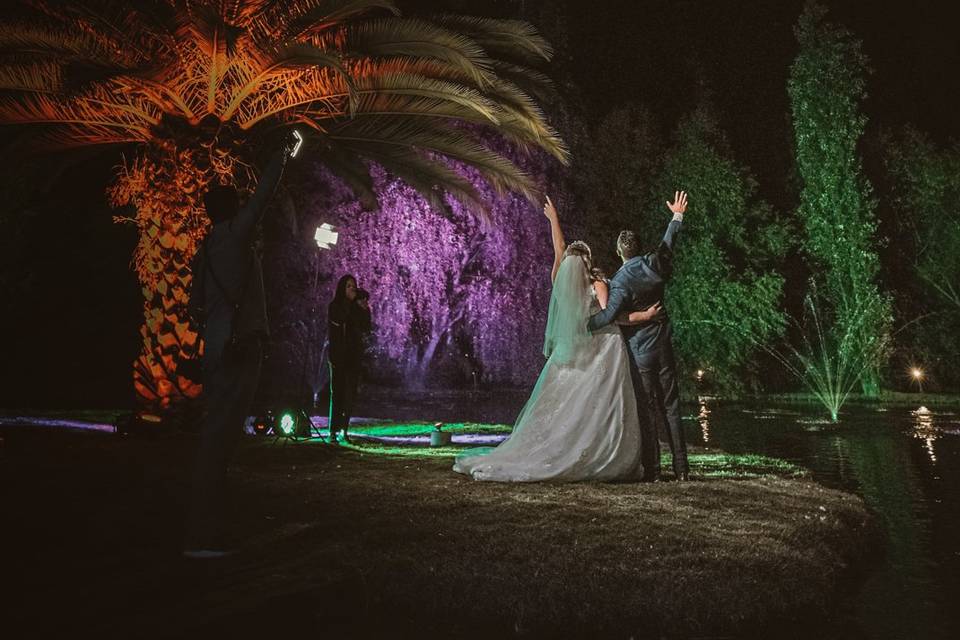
(639, 283)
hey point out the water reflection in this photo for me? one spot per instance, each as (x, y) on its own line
(886, 458)
(926, 431)
(703, 417)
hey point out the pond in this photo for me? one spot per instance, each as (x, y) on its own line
(905, 463)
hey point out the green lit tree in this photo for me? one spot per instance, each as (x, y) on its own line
(921, 197)
(925, 188)
(724, 296)
(612, 171)
(826, 85)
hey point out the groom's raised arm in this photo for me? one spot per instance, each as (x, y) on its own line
(664, 253)
(616, 303)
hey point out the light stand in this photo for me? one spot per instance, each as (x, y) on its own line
(326, 238)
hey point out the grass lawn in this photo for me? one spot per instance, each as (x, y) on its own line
(376, 540)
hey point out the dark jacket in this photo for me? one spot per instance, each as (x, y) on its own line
(227, 270)
(638, 284)
(347, 323)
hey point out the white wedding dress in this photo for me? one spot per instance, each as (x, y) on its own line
(581, 421)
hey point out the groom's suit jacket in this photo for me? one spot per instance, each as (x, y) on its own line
(638, 284)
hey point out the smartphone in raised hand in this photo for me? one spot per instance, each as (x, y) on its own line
(296, 143)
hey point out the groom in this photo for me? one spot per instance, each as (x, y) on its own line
(639, 284)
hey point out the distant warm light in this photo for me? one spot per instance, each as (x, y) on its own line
(326, 236)
(699, 374)
(916, 373)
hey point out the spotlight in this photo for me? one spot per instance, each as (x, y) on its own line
(326, 236)
(286, 425)
(261, 425)
(292, 424)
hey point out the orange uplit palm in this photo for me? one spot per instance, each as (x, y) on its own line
(192, 87)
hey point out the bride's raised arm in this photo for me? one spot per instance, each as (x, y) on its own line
(559, 244)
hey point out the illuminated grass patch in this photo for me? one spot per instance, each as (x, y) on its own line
(749, 465)
(702, 464)
(411, 429)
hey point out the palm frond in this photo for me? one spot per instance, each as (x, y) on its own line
(104, 111)
(112, 26)
(530, 81)
(334, 13)
(430, 177)
(512, 112)
(407, 84)
(419, 39)
(37, 77)
(321, 90)
(60, 44)
(379, 133)
(509, 125)
(368, 82)
(502, 39)
(292, 57)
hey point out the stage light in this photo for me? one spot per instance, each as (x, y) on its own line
(261, 425)
(293, 424)
(326, 236)
(286, 424)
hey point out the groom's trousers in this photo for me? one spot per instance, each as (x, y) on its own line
(656, 371)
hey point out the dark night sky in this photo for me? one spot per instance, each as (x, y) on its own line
(665, 54)
(669, 54)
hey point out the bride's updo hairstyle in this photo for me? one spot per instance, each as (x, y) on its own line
(580, 249)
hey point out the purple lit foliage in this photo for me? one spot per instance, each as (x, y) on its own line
(455, 300)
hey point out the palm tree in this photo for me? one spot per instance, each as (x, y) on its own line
(190, 88)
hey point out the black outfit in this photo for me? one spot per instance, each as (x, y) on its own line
(637, 285)
(228, 284)
(347, 322)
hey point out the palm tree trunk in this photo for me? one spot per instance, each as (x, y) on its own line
(165, 185)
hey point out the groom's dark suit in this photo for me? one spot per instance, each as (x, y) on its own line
(637, 285)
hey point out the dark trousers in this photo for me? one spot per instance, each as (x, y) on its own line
(344, 380)
(657, 371)
(228, 388)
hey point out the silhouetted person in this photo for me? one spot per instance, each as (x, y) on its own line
(228, 289)
(348, 319)
(639, 284)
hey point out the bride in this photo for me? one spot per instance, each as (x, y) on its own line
(581, 420)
